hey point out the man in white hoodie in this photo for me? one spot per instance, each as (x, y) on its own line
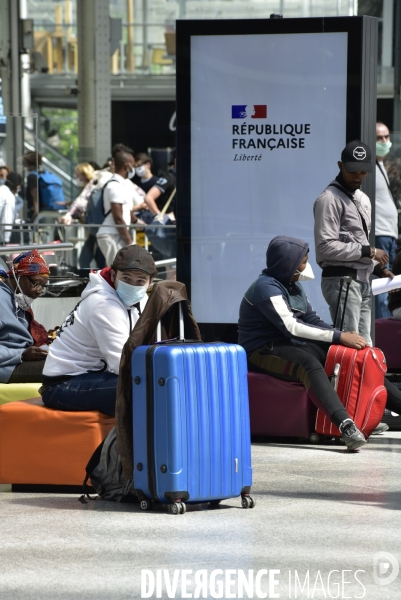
(82, 366)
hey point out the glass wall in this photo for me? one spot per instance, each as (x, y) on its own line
(147, 44)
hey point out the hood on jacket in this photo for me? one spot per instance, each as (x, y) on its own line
(99, 281)
(283, 257)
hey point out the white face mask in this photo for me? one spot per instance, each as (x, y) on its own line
(131, 174)
(79, 183)
(23, 301)
(383, 148)
(307, 274)
(140, 171)
(130, 294)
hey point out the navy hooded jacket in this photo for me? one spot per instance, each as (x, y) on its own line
(276, 310)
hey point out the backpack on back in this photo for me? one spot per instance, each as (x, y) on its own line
(105, 472)
(95, 210)
(51, 196)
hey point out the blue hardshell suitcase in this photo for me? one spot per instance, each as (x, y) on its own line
(191, 424)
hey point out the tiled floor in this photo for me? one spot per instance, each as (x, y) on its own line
(322, 517)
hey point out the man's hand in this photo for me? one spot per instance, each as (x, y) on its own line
(352, 340)
(33, 353)
(382, 257)
(387, 273)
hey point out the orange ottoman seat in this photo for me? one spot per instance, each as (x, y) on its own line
(41, 446)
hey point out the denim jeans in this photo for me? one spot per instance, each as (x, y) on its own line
(90, 391)
(91, 250)
(389, 244)
(358, 310)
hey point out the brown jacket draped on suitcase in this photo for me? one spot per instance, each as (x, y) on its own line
(162, 305)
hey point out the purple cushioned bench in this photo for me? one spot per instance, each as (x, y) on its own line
(279, 408)
(388, 339)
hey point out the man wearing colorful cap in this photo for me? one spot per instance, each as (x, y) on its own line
(342, 227)
(81, 370)
(22, 355)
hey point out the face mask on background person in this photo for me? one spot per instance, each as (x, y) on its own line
(22, 300)
(140, 171)
(2, 181)
(383, 148)
(130, 294)
(79, 183)
(307, 274)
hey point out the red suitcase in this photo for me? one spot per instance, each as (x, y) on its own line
(358, 378)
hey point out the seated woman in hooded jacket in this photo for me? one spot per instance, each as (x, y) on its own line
(285, 338)
(21, 356)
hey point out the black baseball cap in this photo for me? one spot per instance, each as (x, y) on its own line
(357, 156)
(134, 258)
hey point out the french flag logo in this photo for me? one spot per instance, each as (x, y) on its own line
(260, 111)
(238, 111)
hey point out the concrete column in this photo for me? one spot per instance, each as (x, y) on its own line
(94, 99)
(10, 73)
(387, 34)
(397, 68)
(25, 85)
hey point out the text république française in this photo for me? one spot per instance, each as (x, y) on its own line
(291, 130)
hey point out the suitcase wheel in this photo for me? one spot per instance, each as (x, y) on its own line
(145, 504)
(177, 508)
(214, 503)
(314, 438)
(248, 502)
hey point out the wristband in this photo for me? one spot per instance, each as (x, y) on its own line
(373, 253)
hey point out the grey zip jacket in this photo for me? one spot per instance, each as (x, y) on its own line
(339, 233)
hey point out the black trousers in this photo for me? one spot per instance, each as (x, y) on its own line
(304, 364)
(29, 371)
(393, 397)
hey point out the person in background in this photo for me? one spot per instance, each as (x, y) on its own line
(22, 354)
(88, 180)
(342, 225)
(158, 189)
(81, 370)
(31, 189)
(4, 171)
(117, 205)
(7, 213)
(14, 183)
(84, 178)
(393, 168)
(394, 298)
(285, 338)
(386, 215)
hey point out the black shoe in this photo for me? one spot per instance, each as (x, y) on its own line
(351, 435)
(381, 428)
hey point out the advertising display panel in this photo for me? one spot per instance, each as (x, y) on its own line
(265, 118)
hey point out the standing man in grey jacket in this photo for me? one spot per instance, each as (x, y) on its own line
(342, 227)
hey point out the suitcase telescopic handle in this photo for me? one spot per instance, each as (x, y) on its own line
(334, 377)
(347, 280)
(181, 325)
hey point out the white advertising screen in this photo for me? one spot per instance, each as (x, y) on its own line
(268, 123)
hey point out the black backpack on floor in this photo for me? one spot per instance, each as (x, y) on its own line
(105, 472)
